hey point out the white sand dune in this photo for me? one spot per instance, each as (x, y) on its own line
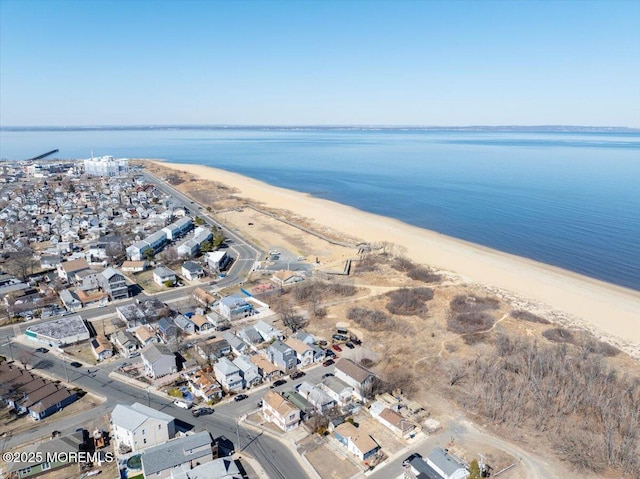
(604, 308)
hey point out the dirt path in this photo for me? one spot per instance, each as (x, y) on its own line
(443, 343)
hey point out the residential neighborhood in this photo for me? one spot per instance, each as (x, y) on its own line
(134, 292)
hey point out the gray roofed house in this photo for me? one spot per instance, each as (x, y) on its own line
(43, 449)
(158, 360)
(192, 270)
(282, 355)
(167, 329)
(222, 468)
(138, 426)
(251, 335)
(360, 378)
(185, 324)
(125, 342)
(319, 399)
(446, 465)
(190, 451)
(162, 274)
(70, 300)
(248, 370)
(238, 346)
(228, 375)
(267, 331)
(338, 390)
(113, 283)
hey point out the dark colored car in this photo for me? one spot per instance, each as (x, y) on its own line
(75, 364)
(340, 337)
(42, 350)
(329, 353)
(279, 382)
(349, 345)
(202, 411)
(240, 397)
(297, 374)
(328, 362)
(337, 348)
(327, 375)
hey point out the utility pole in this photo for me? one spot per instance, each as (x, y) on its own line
(66, 373)
(238, 435)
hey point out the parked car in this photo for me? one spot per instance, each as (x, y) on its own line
(297, 374)
(340, 337)
(327, 375)
(279, 382)
(202, 411)
(260, 403)
(337, 348)
(328, 362)
(329, 353)
(240, 397)
(182, 404)
(75, 364)
(42, 350)
(349, 345)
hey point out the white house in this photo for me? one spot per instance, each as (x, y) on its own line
(357, 442)
(217, 260)
(137, 427)
(101, 348)
(192, 270)
(158, 361)
(177, 456)
(354, 375)
(162, 274)
(392, 420)
(228, 375)
(279, 411)
(304, 352)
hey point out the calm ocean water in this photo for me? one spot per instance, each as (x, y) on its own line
(567, 199)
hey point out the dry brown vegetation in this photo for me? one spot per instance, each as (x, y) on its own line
(371, 319)
(409, 301)
(527, 316)
(570, 394)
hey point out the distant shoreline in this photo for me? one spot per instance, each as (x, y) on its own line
(605, 309)
(470, 128)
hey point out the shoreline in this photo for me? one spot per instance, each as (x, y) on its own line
(603, 308)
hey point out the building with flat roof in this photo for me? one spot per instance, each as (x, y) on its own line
(60, 332)
(106, 166)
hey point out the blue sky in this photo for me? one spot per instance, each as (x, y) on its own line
(319, 62)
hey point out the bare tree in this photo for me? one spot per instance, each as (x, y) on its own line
(21, 262)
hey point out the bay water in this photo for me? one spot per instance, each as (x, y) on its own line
(570, 199)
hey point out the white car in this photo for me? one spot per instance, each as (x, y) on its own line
(182, 404)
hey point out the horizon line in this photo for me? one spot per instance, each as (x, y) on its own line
(308, 126)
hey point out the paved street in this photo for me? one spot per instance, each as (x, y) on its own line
(274, 457)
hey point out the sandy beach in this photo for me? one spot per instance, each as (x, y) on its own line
(607, 310)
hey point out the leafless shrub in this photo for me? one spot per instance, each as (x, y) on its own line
(367, 264)
(473, 304)
(402, 264)
(307, 291)
(340, 289)
(367, 363)
(396, 377)
(591, 413)
(471, 339)
(408, 302)
(560, 335)
(470, 323)
(595, 346)
(426, 275)
(528, 316)
(371, 319)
